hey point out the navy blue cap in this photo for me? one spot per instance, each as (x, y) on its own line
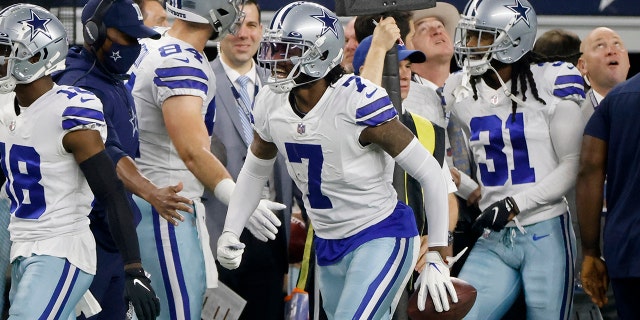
(123, 15)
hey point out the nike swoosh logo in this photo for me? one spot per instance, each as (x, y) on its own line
(138, 282)
(185, 60)
(83, 100)
(369, 95)
(495, 214)
(536, 237)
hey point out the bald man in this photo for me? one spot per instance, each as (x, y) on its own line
(604, 63)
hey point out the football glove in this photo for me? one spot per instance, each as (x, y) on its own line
(496, 215)
(263, 223)
(435, 280)
(230, 250)
(139, 293)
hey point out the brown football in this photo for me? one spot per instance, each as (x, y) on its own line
(466, 297)
(297, 239)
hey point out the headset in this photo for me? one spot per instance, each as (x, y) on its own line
(94, 31)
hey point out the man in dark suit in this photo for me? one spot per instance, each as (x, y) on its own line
(260, 277)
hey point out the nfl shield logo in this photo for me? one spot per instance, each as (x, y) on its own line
(301, 128)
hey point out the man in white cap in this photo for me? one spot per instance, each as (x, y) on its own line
(434, 28)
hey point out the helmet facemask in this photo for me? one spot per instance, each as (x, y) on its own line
(23, 38)
(474, 56)
(512, 25)
(285, 59)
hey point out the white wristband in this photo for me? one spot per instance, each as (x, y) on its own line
(467, 186)
(223, 190)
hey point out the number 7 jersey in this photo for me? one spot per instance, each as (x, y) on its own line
(346, 187)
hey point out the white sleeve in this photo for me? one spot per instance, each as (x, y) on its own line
(421, 165)
(248, 191)
(566, 135)
(446, 173)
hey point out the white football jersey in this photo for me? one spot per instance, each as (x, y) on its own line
(346, 187)
(50, 197)
(167, 67)
(494, 132)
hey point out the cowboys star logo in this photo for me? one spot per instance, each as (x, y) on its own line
(521, 12)
(328, 23)
(115, 56)
(37, 25)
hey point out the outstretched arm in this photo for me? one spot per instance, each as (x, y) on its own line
(165, 200)
(245, 199)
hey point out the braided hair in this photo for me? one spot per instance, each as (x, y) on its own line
(521, 72)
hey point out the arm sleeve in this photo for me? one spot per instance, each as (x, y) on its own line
(247, 193)
(421, 165)
(108, 189)
(566, 134)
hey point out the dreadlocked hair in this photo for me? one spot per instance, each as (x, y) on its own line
(520, 73)
(334, 74)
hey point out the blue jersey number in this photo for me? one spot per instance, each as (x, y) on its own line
(313, 152)
(522, 171)
(23, 184)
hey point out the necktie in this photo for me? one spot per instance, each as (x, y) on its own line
(459, 149)
(245, 109)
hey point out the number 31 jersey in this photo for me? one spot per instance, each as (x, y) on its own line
(346, 187)
(514, 151)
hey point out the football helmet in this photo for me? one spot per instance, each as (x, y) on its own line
(511, 23)
(223, 15)
(27, 30)
(303, 38)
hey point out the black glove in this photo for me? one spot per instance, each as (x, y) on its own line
(496, 215)
(138, 292)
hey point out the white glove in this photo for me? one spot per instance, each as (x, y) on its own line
(264, 224)
(435, 281)
(230, 250)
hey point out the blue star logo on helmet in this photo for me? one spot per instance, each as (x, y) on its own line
(37, 25)
(328, 23)
(521, 12)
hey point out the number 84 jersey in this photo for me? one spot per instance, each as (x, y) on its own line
(347, 187)
(513, 150)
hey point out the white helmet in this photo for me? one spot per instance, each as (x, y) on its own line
(307, 35)
(511, 23)
(223, 15)
(27, 30)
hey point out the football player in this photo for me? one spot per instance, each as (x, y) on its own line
(522, 117)
(173, 87)
(340, 134)
(53, 156)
